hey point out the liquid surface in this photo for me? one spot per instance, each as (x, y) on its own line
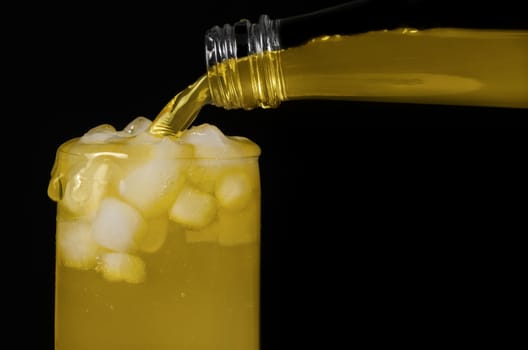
(157, 240)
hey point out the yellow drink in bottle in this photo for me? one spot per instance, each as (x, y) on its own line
(450, 66)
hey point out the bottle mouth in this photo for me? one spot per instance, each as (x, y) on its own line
(240, 39)
(260, 44)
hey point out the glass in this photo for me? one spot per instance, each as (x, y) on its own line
(156, 252)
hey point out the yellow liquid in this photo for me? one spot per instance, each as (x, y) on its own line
(182, 109)
(444, 66)
(436, 66)
(198, 289)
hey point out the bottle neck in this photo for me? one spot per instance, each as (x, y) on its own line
(243, 64)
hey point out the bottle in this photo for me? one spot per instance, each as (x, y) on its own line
(413, 51)
(409, 51)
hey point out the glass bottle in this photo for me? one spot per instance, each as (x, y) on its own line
(413, 51)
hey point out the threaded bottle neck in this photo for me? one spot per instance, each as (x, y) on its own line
(243, 64)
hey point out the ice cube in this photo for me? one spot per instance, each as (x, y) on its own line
(75, 245)
(230, 228)
(152, 186)
(193, 208)
(205, 137)
(99, 134)
(210, 142)
(122, 267)
(86, 187)
(137, 126)
(118, 226)
(155, 235)
(233, 190)
(241, 227)
(203, 174)
(169, 148)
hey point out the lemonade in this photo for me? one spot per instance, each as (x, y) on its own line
(157, 240)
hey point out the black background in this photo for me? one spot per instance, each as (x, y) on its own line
(389, 223)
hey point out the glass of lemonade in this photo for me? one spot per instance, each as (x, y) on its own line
(158, 240)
